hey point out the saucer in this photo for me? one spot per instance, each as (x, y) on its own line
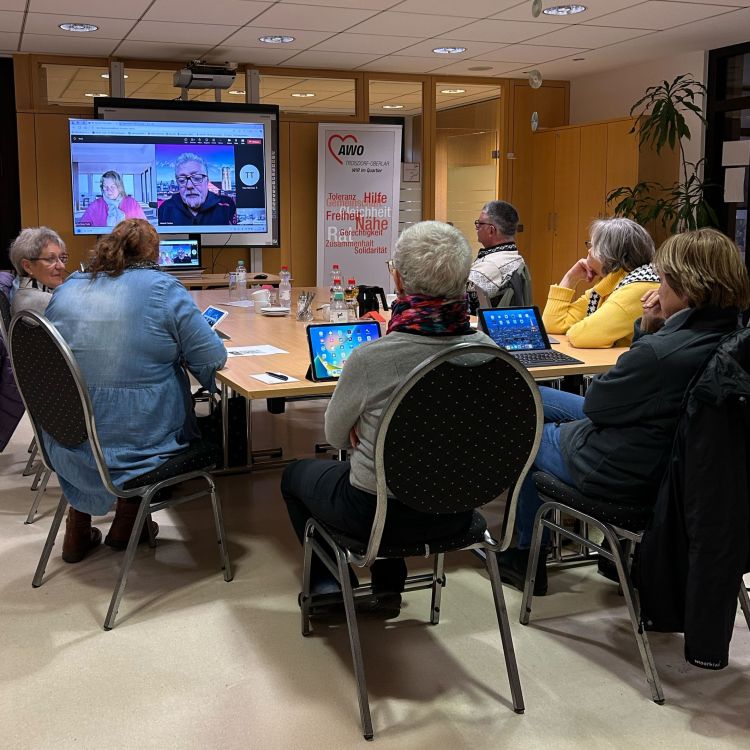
(275, 311)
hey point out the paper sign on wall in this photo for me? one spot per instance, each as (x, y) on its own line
(735, 154)
(734, 185)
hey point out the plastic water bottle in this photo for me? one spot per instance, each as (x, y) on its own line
(335, 272)
(285, 288)
(338, 313)
(336, 286)
(241, 280)
(350, 294)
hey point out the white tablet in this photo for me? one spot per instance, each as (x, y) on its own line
(213, 315)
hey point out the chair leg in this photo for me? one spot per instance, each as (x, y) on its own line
(305, 595)
(507, 639)
(32, 457)
(352, 627)
(37, 580)
(745, 602)
(38, 497)
(534, 552)
(39, 471)
(135, 535)
(438, 581)
(220, 533)
(652, 676)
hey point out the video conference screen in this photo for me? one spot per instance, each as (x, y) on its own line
(183, 177)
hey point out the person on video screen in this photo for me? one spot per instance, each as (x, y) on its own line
(197, 201)
(182, 256)
(113, 206)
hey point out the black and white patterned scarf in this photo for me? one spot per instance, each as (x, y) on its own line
(642, 273)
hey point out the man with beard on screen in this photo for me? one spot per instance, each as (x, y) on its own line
(195, 203)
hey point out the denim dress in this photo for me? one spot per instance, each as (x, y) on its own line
(131, 334)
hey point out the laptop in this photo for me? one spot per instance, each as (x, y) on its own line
(331, 344)
(521, 332)
(181, 256)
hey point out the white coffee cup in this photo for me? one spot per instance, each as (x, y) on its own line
(390, 299)
(262, 298)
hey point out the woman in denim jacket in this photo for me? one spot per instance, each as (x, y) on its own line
(132, 328)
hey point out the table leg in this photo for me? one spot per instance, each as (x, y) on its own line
(225, 391)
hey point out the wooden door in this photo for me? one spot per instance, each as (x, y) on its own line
(538, 254)
(565, 250)
(593, 179)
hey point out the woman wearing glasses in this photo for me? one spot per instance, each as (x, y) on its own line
(113, 206)
(39, 256)
(619, 273)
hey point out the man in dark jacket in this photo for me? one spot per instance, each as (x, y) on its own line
(195, 203)
(615, 444)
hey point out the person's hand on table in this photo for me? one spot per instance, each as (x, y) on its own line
(579, 271)
(653, 316)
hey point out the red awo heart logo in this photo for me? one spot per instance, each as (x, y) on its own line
(343, 148)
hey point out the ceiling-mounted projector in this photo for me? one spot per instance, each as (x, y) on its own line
(202, 75)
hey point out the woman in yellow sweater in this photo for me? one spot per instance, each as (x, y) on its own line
(618, 265)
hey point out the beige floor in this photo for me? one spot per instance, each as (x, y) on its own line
(195, 662)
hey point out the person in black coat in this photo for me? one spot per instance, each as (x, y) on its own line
(615, 444)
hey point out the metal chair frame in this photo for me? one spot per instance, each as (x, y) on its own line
(546, 518)
(315, 535)
(146, 492)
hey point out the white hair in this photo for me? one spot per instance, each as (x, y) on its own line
(433, 259)
(186, 157)
(30, 244)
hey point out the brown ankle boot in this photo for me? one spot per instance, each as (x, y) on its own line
(80, 536)
(122, 525)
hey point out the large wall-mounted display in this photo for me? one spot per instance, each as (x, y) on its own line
(185, 170)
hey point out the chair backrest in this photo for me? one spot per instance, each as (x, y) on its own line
(462, 428)
(52, 387)
(4, 315)
(517, 290)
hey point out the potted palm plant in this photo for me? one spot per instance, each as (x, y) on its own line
(660, 122)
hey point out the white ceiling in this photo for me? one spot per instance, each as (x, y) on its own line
(380, 35)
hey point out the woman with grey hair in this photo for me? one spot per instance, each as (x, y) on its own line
(619, 272)
(430, 267)
(39, 257)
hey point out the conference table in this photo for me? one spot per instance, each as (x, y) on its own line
(248, 328)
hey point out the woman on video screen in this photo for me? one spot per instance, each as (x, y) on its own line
(113, 206)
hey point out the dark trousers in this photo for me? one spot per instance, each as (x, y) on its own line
(321, 490)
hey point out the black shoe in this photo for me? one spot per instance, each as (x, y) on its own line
(513, 563)
(386, 606)
(607, 568)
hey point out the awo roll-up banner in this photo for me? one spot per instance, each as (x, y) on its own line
(359, 170)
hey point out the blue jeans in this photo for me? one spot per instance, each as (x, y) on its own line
(559, 406)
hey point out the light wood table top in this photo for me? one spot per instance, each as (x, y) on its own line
(222, 280)
(248, 328)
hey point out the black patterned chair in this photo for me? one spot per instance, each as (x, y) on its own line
(460, 430)
(622, 527)
(58, 402)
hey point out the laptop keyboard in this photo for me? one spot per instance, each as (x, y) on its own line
(544, 358)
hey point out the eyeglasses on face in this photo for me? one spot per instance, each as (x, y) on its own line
(51, 260)
(195, 177)
(478, 224)
(391, 266)
(588, 244)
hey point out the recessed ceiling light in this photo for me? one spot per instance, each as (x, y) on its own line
(449, 50)
(564, 10)
(106, 75)
(81, 27)
(303, 94)
(95, 96)
(277, 39)
(478, 68)
(237, 92)
(452, 91)
(393, 106)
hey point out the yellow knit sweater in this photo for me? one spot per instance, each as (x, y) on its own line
(610, 325)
